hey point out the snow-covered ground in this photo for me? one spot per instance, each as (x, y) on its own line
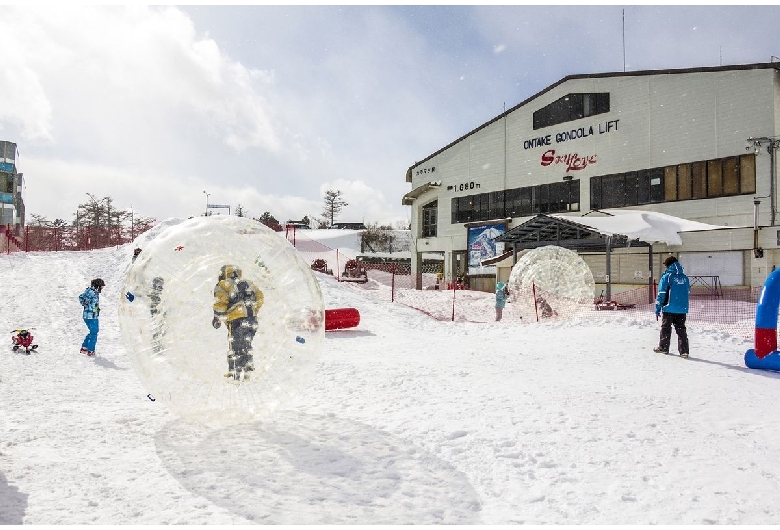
(407, 420)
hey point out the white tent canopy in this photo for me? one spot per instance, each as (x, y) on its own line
(650, 227)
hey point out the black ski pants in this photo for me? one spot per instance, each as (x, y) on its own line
(241, 331)
(678, 321)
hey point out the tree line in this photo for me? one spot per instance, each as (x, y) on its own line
(102, 213)
(97, 213)
(334, 204)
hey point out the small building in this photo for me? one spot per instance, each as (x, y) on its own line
(297, 225)
(348, 226)
(11, 185)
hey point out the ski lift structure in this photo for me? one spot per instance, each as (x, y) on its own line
(217, 207)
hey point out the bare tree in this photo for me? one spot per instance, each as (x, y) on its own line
(100, 213)
(334, 203)
(377, 238)
(38, 220)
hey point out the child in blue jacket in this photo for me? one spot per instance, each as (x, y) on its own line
(501, 295)
(90, 300)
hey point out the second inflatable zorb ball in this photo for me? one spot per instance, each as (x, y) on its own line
(551, 282)
(222, 319)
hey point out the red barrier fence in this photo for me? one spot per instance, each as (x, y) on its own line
(47, 239)
(730, 309)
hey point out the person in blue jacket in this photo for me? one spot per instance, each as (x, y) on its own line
(501, 294)
(90, 301)
(674, 289)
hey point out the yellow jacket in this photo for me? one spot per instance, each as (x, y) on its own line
(235, 297)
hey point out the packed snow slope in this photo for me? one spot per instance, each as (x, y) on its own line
(407, 420)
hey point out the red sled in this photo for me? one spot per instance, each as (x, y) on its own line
(22, 340)
(345, 317)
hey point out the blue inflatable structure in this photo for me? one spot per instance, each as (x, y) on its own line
(764, 355)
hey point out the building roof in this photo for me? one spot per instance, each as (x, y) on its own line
(410, 197)
(625, 228)
(545, 229)
(754, 66)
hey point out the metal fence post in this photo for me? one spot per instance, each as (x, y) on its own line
(453, 304)
(536, 308)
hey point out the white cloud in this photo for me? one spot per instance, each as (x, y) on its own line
(267, 105)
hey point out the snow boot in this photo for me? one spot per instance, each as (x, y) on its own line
(684, 355)
(660, 350)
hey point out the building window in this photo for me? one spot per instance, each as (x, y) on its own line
(429, 219)
(496, 205)
(731, 176)
(670, 183)
(747, 174)
(714, 178)
(6, 182)
(517, 202)
(571, 107)
(699, 180)
(684, 189)
(699, 174)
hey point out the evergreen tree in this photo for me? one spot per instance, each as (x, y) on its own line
(334, 203)
(270, 221)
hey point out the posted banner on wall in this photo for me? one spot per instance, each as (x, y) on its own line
(482, 246)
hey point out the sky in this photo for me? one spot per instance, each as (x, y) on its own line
(168, 108)
(406, 419)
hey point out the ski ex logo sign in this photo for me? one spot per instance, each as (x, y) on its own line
(571, 161)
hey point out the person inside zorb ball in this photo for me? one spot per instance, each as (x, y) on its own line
(237, 301)
(222, 319)
(550, 282)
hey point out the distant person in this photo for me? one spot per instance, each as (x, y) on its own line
(674, 289)
(90, 301)
(237, 301)
(502, 292)
(546, 308)
(158, 317)
(136, 252)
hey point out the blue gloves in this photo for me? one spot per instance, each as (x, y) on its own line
(658, 310)
(215, 322)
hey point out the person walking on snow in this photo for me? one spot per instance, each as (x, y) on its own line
(501, 295)
(674, 289)
(90, 300)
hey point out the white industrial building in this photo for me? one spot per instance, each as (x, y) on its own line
(697, 144)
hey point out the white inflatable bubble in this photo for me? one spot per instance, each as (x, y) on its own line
(562, 281)
(222, 319)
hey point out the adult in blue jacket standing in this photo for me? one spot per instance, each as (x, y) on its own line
(90, 300)
(674, 289)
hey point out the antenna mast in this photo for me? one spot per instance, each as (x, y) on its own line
(624, 40)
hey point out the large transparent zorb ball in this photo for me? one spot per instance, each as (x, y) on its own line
(222, 319)
(550, 282)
